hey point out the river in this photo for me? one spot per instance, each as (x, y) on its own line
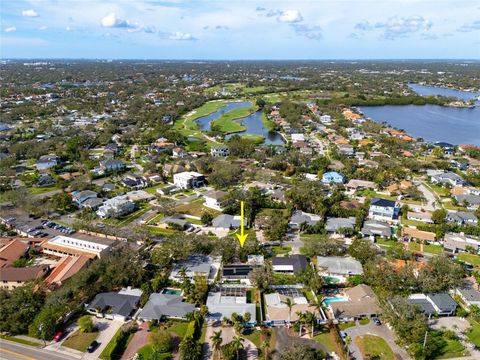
(433, 122)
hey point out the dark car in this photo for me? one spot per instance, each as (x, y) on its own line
(93, 345)
(58, 336)
(376, 321)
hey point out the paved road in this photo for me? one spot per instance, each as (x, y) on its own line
(370, 329)
(430, 196)
(15, 351)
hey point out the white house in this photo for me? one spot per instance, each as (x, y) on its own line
(215, 199)
(188, 179)
(219, 151)
(116, 207)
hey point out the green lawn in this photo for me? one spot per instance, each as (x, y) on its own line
(374, 347)
(469, 258)
(147, 353)
(281, 250)
(385, 243)
(153, 189)
(364, 321)
(42, 190)
(327, 339)
(431, 249)
(179, 328)
(125, 220)
(474, 334)
(195, 208)
(254, 336)
(346, 325)
(453, 349)
(229, 122)
(80, 341)
(19, 340)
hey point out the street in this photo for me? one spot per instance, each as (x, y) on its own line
(15, 351)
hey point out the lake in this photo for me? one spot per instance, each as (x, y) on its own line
(432, 122)
(253, 123)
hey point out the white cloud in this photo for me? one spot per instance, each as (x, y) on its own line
(177, 35)
(396, 27)
(10, 29)
(112, 21)
(290, 16)
(470, 27)
(29, 13)
(43, 27)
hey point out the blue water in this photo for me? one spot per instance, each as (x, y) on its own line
(204, 121)
(432, 122)
(253, 123)
(329, 300)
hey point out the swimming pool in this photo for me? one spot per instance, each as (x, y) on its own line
(329, 300)
(169, 291)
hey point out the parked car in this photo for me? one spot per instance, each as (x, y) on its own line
(93, 345)
(58, 337)
(376, 321)
(343, 334)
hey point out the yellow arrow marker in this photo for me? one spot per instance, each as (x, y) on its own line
(242, 236)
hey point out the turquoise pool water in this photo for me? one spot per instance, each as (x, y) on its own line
(168, 291)
(329, 300)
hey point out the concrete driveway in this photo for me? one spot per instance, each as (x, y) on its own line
(107, 329)
(370, 329)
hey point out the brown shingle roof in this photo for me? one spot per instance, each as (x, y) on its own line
(22, 274)
(12, 251)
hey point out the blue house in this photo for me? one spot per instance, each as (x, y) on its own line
(333, 177)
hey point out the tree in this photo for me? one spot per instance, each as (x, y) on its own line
(303, 352)
(289, 303)
(261, 277)
(216, 340)
(206, 218)
(62, 201)
(161, 340)
(439, 216)
(86, 324)
(440, 274)
(247, 317)
(190, 349)
(237, 344)
(276, 227)
(265, 347)
(362, 250)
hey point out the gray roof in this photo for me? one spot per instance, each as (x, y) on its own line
(298, 262)
(120, 304)
(333, 224)
(372, 227)
(383, 202)
(469, 198)
(175, 219)
(226, 221)
(194, 264)
(443, 301)
(300, 217)
(93, 202)
(424, 305)
(340, 265)
(462, 217)
(469, 294)
(160, 305)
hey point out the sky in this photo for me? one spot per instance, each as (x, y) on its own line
(240, 29)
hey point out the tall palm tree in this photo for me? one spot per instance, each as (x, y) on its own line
(301, 319)
(289, 304)
(310, 318)
(216, 340)
(237, 344)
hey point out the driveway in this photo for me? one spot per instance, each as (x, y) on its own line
(138, 340)
(106, 329)
(430, 196)
(459, 326)
(370, 329)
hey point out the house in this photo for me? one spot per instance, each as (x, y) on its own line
(116, 207)
(441, 304)
(68, 246)
(326, 119)
(372, 229)
(425, 217)
(462, 218)
(333, 225)
(223, 301)
(175, 220)
(166, 190)
(46, 162)
(333, 177)
(45, 180)
(471, 201)
(134, 182)
(160, 306)
(383, 210)
(237, 272)
(299, 217)
(448, 178)
(111, 165)
(409, 234)
(80, 196)
(278, 195)
(289, 264)
(346, 149)
(179, 153)
(139, 196)
(219, 151)
(469, 295)
(92, 203)
(12, 277)
(215, 199)
(13, 250)
(277, 311)
(188, 179)
(197, 264)
(169, 169)
(454, 243)
(65, 268)
(338, 265)
(360, 302)
(448, 149)
(115, 306)
(355, 184)
(227, 222)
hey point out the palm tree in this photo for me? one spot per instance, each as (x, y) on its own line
(310, 319)
(301, 319)
(289, 304)
(237, 344)
(216, 340)
(265, 347)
